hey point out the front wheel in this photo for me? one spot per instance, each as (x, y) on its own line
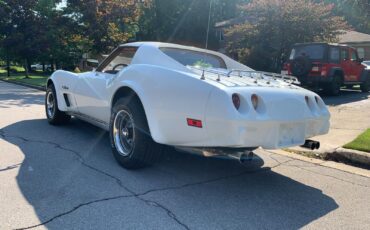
(365, 86)
(131, 142)
(53, 114)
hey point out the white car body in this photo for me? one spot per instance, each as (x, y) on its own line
(171, 93)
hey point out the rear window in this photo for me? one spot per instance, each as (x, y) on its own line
(314, 52)
(195, 58)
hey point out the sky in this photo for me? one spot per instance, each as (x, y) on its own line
(62, 4)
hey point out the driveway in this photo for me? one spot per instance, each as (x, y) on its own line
(66, 178)
(350, 116)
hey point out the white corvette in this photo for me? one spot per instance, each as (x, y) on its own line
(152, 94)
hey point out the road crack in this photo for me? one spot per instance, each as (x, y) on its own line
(74, 209)
(116, 179)
(10, 167)
(132, 194)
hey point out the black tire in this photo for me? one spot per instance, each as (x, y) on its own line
(365, 86)
(301, 66)
(143, 150)
(333, 88)
(54, 115)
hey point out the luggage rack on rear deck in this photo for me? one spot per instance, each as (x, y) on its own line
(256, 75)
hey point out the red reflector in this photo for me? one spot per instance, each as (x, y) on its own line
(195, 123)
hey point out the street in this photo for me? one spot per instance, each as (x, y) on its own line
(66, 178)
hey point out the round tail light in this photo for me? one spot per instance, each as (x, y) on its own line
(236, 101)
(254, 99)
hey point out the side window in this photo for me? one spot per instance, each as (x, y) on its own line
(344, 55)
(118, 60)
(354, 55)
(334, 55)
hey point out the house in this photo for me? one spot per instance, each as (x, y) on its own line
(360, 41)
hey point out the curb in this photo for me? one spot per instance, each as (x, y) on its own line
(25, 85)
(324, 163)
(334, 154)
(352, 155)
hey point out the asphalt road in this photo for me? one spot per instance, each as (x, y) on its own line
(66, 178)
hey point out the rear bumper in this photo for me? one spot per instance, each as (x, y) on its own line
(313, 80)
(266, 134)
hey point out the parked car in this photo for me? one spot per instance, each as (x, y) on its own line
(366, 64)
(326, 65)
(40, 67)
(152, 94)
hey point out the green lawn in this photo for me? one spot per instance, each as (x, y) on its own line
(37, 80)
(361, 143)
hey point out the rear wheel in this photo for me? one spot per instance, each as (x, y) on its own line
(53, 114)
(365, 86)
(333, 88)
(132, 144)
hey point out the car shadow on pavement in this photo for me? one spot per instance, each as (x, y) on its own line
(71, 179)
(346, 96)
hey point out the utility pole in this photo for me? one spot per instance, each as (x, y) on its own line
(209, 22)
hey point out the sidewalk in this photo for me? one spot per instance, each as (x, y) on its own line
(350, 116)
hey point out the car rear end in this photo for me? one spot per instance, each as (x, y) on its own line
(268, 117)
(310, 63)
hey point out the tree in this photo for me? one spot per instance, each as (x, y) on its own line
(60, 36)
(185, 21)
(106, 23)
(271, 27)
(356, 12)
(18, 27)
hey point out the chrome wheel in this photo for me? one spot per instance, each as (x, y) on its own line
(50, 104)
(124, 133)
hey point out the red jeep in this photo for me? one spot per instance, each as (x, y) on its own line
(328, 66)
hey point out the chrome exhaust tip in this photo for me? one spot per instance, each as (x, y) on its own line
(247, 156)
(310, 144)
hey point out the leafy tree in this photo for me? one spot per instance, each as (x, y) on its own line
(185, 21)
(60, 39)
(273, 26)
(356, 12)
(106, 23)
(18, 27)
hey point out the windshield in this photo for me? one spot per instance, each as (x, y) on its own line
(366, 62)
(315, 52)
(195, 58)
